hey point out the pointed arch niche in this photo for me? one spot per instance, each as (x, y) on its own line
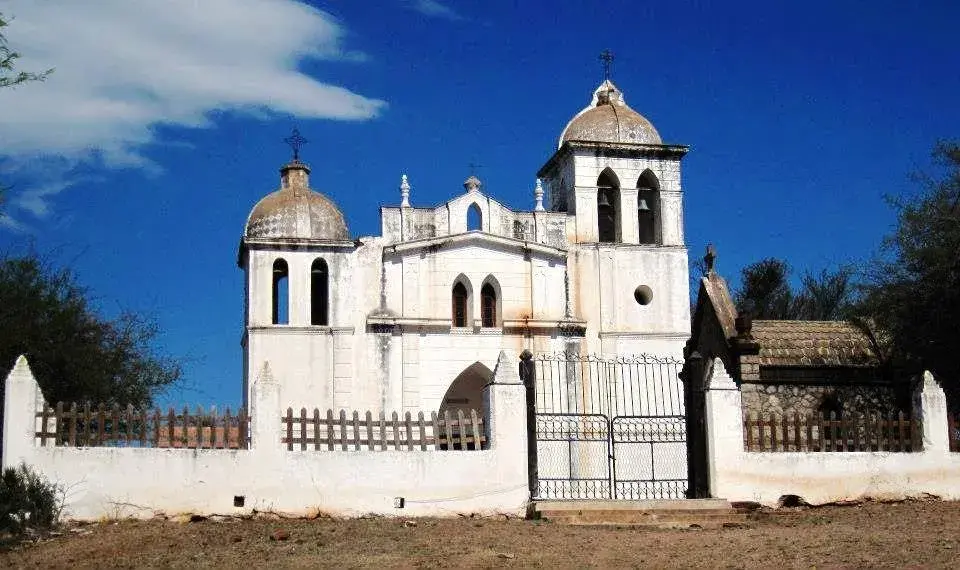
(319, 293)
(280, 293)
(648, 208)
(608, 207)
(466, 392)
(474, 218)
(491, 303)
(461, 296)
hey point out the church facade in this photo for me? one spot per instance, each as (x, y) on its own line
(415, 318)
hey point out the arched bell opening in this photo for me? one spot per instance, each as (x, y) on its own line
(648, 208)
(280, 293)
(464, 395)
(608, 207)
(319, 293)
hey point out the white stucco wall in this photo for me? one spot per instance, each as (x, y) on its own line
(104, 482)
(819, 478)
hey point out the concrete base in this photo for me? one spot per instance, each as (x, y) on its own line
(682, 513)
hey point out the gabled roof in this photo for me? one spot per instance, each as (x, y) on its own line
(814, 344)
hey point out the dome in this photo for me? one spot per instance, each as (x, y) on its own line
(609, 119)
(296, 211)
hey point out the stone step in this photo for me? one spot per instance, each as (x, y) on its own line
(696, 513)
(650, 505)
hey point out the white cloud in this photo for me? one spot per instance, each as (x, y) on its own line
(434, 9)
(124, 66)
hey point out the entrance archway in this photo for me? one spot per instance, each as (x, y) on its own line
(466, 392)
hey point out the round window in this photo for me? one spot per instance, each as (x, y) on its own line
(643, 295)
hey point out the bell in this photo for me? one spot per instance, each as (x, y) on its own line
(642, 206)
(602, 201)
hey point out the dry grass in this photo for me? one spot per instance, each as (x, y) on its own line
(913, 534)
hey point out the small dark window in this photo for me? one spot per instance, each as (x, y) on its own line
(643, 295)
(459, 305)
(281, 302)
(488, 306)
(319, 293)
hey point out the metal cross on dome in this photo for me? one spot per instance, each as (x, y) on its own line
(607, 58)
(296, 142)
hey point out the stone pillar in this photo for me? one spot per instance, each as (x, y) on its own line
(265, 413)
(21, 394)
(930, 409)
(505, 422)
(724, 419)
(628, 215)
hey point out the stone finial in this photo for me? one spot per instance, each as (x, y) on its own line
(538, 196)
(404, 191)
(928, 388)
(472, 184)
(507, 370)
(266, 375)
(719, 379)
(930, 407)
(21, 367)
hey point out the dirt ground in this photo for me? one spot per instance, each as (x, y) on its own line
(913, 534)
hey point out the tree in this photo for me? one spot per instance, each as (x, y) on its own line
(75, 354)
(9, 77)
(765, 293)
(913, 294)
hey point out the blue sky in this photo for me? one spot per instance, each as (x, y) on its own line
(137, 162)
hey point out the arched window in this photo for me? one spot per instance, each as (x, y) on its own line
(281, 296)
(474, 218)
(648, 208)
(608, 207)
(319, 293)
(459, 304)
(488, 306)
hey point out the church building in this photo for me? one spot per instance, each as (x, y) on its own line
(415, 318)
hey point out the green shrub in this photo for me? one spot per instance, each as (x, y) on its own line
(28, 501)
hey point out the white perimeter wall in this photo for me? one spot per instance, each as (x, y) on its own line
(105, 482)
(764, 477)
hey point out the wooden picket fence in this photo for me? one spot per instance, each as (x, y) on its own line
(340, 433)
(953, 428)
(830, 433)
(87, 426)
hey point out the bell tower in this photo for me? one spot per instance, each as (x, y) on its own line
(621, 186)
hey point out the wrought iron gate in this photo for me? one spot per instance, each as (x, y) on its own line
(608, 428)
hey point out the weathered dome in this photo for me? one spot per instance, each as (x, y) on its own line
(609, 119)
(296, 211)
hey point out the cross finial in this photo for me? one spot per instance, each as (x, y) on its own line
(710, 258)
(296, 142)
(473, 168)
(606, 57)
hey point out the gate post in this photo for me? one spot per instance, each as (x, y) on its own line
(692, 377)
(528, 376)
(724, 414)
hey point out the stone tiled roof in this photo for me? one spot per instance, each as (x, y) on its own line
(609, 119)
(814, 343)
(296, 211)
